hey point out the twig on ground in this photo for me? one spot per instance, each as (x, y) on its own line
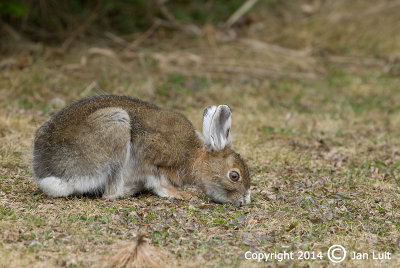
(188, 28)
(165, 12)
(94, 51)
(256, 44)
(240, 12)
(90, 87)
(142, 37)
(106, 52)
(103, 51)
(171, 22)
(116, 39)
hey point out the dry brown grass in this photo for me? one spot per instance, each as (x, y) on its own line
(318, 127)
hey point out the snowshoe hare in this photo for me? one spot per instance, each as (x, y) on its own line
(118, 146)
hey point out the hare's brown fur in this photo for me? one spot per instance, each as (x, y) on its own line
(99, 144)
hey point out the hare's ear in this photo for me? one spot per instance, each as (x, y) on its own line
(216, 126)
(207, 118)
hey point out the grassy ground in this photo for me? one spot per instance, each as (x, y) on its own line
(318, 127)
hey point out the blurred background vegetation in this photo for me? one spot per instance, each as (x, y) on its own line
(53, 19)
(358, 27)
(174, 40)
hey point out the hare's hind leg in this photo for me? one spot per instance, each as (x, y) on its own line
(116, 183)
(92, 162)
(112, 132)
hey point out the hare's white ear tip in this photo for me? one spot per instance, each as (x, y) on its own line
(209, 111)
(225, 110)
(225, 106)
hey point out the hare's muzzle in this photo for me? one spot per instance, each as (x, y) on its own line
(245, 200)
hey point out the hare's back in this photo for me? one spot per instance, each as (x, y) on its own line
(84, 135)
(96, 140)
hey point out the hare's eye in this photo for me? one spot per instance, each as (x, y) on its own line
(234, 176)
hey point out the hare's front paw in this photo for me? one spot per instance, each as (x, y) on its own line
(172, 192)
(182, 195)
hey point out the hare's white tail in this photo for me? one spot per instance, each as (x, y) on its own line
(56, 187)
(61, 187)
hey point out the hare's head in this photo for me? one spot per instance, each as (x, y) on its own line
(225, 176)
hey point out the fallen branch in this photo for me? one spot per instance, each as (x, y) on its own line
(142, 37)
(165, 12)
(89, 88)
(239, 13)
(116, 39)
(188, 28)
(96, 51)
(171, 22)
(104, 52)
(256, 44)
